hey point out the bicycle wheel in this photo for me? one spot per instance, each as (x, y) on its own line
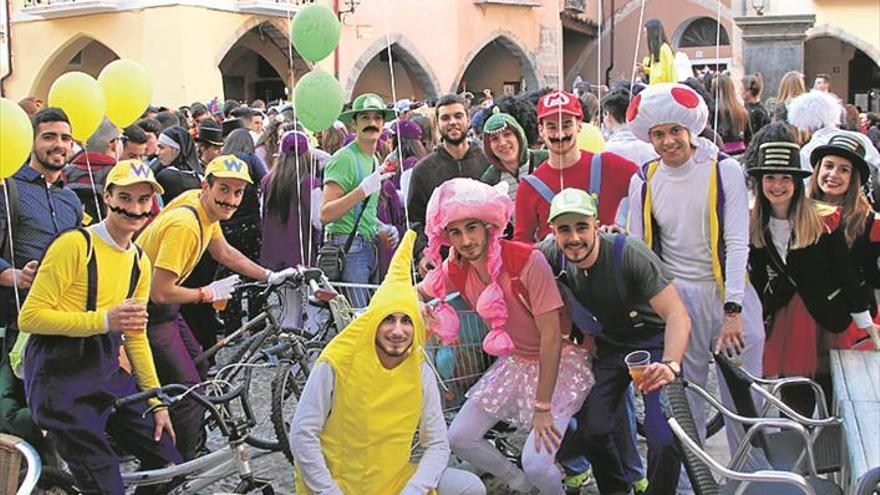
(257, 393)
(289, 381)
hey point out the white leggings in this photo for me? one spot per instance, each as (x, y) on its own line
(539, 469)
(460, 482)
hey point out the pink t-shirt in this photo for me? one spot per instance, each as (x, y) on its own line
(537, 278)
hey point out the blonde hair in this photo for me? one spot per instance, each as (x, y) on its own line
(804, 215)
(854, 208)
(791, 86)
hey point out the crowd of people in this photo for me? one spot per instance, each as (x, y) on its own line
(683, 219)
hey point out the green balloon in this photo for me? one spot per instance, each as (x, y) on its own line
(318, 98)
(315, 32)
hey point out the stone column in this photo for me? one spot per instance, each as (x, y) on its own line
(773, 45)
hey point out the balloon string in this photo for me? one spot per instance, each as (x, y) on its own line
(9, 221)
(632, 80)
(717, 78)
(599, 57)
(400, 156)
(300, 208)
(92, 182)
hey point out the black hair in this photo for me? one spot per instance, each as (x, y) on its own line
(46, 115)
(450, 99)
(198, 109)
(134, 134)
(150, 125)
(698, 86)
(243, 113)
(238, 142)
(589, 106)
(229, 106)
(167, 119)
(524, 108)
(616, 104)
(873, 119)
(656, 38)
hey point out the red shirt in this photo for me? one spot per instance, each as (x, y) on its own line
(532, 210)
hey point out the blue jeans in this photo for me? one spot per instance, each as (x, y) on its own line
(361, 261)
(627, 444)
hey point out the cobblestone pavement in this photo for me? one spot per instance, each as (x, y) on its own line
(276, 467)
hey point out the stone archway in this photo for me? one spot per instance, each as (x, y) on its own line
(501, 64)
(413, 76)
(854, 66)
(81, 53)
(255, 62)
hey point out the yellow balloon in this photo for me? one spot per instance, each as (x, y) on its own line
(81, 98)
(128, 89)
(16, 137)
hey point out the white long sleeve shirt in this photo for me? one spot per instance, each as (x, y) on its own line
(680, 198)
(314, 408)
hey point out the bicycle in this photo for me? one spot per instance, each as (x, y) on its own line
(199, 473)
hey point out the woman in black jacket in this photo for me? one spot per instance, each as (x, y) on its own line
(800, 263)
(839, 172)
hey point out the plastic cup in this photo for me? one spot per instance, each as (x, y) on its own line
(637, 362)
(220, 305)
(130, 331)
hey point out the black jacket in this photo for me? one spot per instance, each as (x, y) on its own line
(822, 274)
(864, 254)
(433, 170)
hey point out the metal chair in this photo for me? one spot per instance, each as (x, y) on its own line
(12, 451)
(701, 467)
(782, 449)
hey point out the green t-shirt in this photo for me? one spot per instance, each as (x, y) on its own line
(348, 167)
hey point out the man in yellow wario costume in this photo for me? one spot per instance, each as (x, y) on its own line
(365, 398)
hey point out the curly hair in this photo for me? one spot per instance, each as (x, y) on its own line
(524, 108)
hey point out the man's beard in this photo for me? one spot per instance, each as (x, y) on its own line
(47, 164)
(454, 142)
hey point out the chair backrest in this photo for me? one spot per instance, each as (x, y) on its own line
(739, 384)
(675, 405)
(869, 484)
(12, 450)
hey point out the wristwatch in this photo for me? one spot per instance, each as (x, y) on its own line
(673, 366)
(732, 308)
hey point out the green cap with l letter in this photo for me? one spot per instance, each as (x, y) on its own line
(571, 200)
(368, 102)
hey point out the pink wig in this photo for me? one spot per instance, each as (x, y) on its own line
(460, 199)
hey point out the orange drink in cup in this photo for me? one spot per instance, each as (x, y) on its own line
(128, 332)
(220, 304)
(637, 362)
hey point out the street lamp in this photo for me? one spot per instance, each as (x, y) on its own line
(759, 6)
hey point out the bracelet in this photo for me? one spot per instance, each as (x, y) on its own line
(201, 295)
(542, 406)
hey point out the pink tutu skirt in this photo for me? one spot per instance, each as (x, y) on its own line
(507, 389)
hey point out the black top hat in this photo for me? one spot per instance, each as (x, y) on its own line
(210, 134)
(779, 157)
(844, 145)
(230, 125)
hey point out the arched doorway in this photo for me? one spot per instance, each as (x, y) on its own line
(500, 65)
(82, 53)
(698, 37)
(413, 78)
(855, 76)
(257, 65)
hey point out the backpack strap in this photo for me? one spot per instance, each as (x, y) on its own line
(198, 222)
(596, 176)
(92, 272)
(617, 266)
(540, 187)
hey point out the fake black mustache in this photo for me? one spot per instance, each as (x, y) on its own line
(225, 205)
(126, 213)
(371, 128)
(562, 139)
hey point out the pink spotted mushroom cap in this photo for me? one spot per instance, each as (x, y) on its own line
(666, 103)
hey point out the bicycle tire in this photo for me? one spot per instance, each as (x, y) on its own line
(259, 386)
(54, 481)
(290, 378)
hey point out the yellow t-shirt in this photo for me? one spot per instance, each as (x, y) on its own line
(56, 302)
(174, 241)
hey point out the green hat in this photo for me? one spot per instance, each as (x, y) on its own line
(367, 102)
(572, 200)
